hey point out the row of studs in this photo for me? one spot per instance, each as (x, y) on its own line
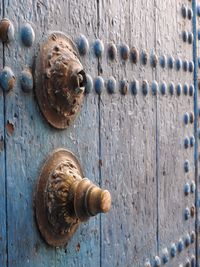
(99, 84)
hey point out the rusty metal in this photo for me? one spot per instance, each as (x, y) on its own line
(60, 80)
(64, 198)
(6, 30)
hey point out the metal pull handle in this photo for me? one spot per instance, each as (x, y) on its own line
(64, 198)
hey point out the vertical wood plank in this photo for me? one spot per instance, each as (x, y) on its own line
(33, 139)
(3, 252)
(172, 132)
(128, 138)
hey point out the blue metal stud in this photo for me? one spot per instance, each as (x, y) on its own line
(186, 118)
(112, 51)
(191, 117)
(154, 87)
(193, 237)
(145, 87)
(89, 84)
(185, 88)
(171, 88)
(185, 65)
(26, 80)
(191, 90)
(171, 62)
(190, 37)
(186, 189)
(99, 84)
(7, 79)
(163, 88)
(178, 64)
(124, 52)
(163, 60)
(178, 89)
(193, 187)
(186, 142)
(144, 57)
(154, 60)
(111, 85)
(184, 11)
(191, 66)
(83, 45)
(186, 166)
(165, 257)
(134, 87)
(185, 36)
(192, 141)
(187, 214)
(27, 35)
(190, 13)
(134, 55)
(123, 87)
(180, 245)
(157, 261)
(173, 250)
(98, 48)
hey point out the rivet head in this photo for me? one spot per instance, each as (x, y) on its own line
(187, 240)
(123, 87)
(187, 213)
(178, 64)
(191, 117)
(191, 66)
(186, 118)
(190, 13)
(178, 89)
(191, 90)
(171, 62)
(192, 141)
(171, 88)
(7, 31)
(193, 187)
(186, 142)
(192, 211)
(99, 84)
(111, 85)
(185, 36)
(89, 84)
(145, 87)
(184, 11)
(83, 45)
(185, 88)
(154, 87)
(7, 79)
(134, 87)
(186, 189)
(190, 38)
(163, 88)
(27, 35)
(165, 257)
(186, 166)
(26, 80)
(193, 237)
(98, 48)
(124, 52)
(112, 51)
(154, 60)
(157, 261)
(185, 65)
(180, 245)
(173, 250)
(163, 60)
(134, 55)
(144, 57)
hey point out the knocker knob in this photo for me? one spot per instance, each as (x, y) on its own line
(64, 198)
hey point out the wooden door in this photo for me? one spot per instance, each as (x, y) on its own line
(136, 134)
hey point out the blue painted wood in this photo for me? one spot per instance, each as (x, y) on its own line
(3, 252)
(33, 139)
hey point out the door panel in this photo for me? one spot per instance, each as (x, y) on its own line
(33, 139)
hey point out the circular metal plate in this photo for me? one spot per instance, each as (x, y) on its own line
(46, 229)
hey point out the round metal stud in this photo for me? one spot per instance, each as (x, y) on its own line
(173, 250)
(187, 240)
(7, 79)
(178, 64)
(191, 90)
(111, 85)
(179, 89)
(157, 261)
(98, 85)
(187, 214)
(89, 84)
(193, 187)
(154, 87)
(83, 45)
(186, 142)
(134, 55)
(144, 57)
(185, 36)
(192, 211)
(171, 62)
(186, 118)
(165, 257)
(193, 237)
(26, 80)
(7, 31)
(123, 87)
(180, 245)
(154, 60)
(112, 51)
(191, 117)
(134, 87)
(191, 66)
(186, 166)
(192, 141)
(163, 60)
(186, 189)
(185, 65)
(145, 87)
(190, 14)
(190, 37)
(185, 88)
(124, 52)
(163, 88)
(184, 11)
(98, 48)
(171, 88)
(27, 35)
